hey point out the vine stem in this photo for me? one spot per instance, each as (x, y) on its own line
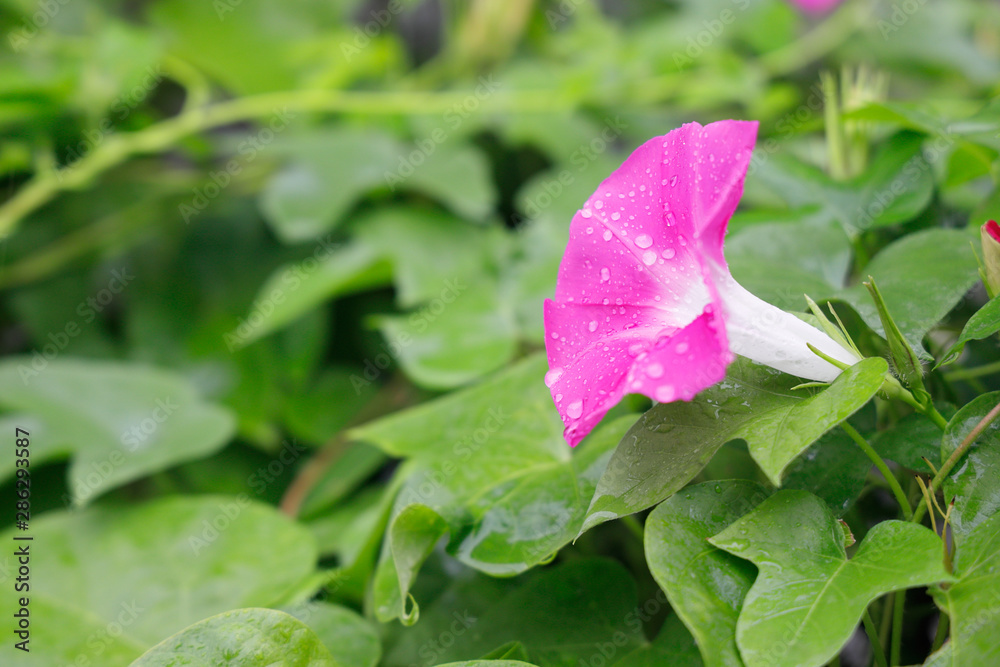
(971, 373)
(117, 148)
(872, 633)
(883, 468)
(826, 36)
(899, 605)
(953, 460)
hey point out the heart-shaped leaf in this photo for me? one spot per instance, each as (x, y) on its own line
(808, 597)
(705, 585)
(672, 442)
(119, 422)
(245, 637)
(112, 581)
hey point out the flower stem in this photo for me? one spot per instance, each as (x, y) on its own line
(117, 148)
(971, 373)
(953, 460)
(899, 604)
(883, 468)
(872, 633)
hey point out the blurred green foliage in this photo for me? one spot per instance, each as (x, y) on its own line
(289, 218)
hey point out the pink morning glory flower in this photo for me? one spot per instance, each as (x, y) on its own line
(644, 300)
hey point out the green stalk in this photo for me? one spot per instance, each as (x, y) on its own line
(953, 460)
(872, 633)
(970, 373)
(899, 604)
(118, 148)
(890, 478)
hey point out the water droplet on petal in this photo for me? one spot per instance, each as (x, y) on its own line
(574, 410)
(605, 275)
(598, 204)
(681, 348)
(607, 234)
(592, 327)
(649, 258)
(644, 240)
(673, 180)
(553, 376)
(586, 213)
(668, 253)
(616, 215)
(655, 370)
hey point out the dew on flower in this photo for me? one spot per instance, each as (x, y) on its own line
(586, 213)
(592, 327)
(553, 376)
(668, 253)
(655, 370)
(605, 275)
(644, 240)
(649, 258)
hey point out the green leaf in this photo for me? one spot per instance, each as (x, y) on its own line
(705, 585)
(814, 258)
(300, 203)
(973, 484)
(350, 638)
(918, 299)
(983, 324)
(509, 500)
(457, 337)
(413, 532)
(973, 602)
(252, 47)
(673, 646)
(119, 422)
(895, 188)
(808, 597)
(909, 441)
(295, 289)
(119, 579)
(833, 468)
(673, 441)
(428, 248)
(583, 610)
(352, 466)
(245, 637)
